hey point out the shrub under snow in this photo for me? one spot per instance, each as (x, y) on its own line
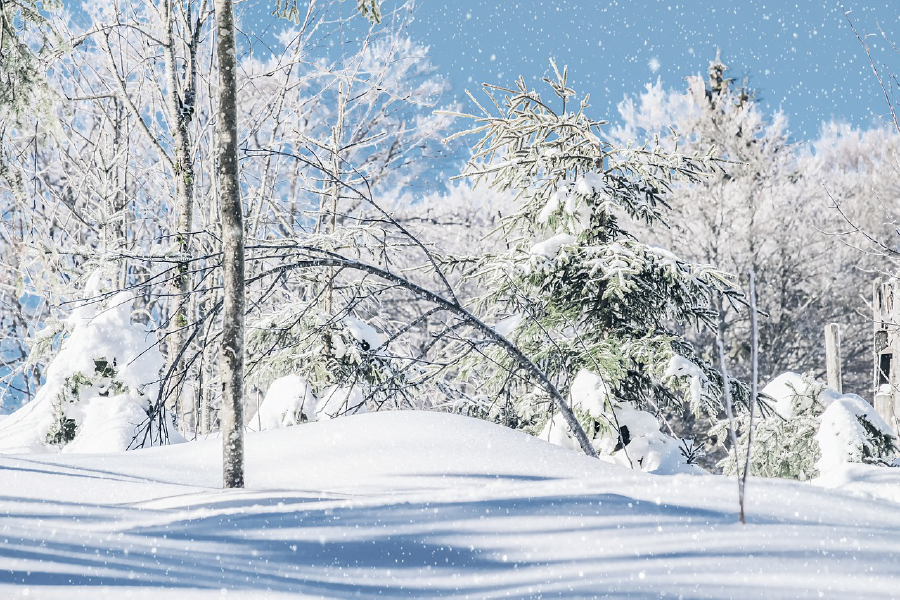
(98, 387)
(811, 429)
(621, 433)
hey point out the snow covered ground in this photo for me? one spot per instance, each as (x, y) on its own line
(417, 505)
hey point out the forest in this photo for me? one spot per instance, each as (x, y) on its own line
(299, 268)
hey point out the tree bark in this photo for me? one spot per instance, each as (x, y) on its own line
(232, 361)
(180, 113)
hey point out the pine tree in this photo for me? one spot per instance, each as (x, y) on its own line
(21, 73)
(587, 297)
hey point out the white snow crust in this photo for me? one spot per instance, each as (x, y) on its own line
(426, 505)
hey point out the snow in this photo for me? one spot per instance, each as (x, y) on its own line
(556, 431)
(550, 248)
(287, 401)
(290, 401)
(589, 183)
(95, 332)
(560, 195)
(840, 433)
(680, 366)
(364, 332)
(589, 392)
(783, 389)
(337, 401)
(420, 505)
(506, 326)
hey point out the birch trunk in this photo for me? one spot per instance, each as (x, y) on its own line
(232, 363)
(180, 114)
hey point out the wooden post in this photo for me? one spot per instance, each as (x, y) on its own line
(886, 381)
(833, 356)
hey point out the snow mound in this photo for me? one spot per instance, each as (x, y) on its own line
(423, 505)
(290, 401)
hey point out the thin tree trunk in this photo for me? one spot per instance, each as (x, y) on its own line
(180, 113)
(232, 365)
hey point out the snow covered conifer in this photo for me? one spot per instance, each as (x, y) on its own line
(585, 293)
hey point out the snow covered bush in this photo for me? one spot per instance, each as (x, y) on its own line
(808, 429)
(341, 361)
(290, 401)
(99, 386)
(631, 437)
(586, 294)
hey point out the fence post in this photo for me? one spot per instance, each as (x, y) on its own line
(886, 351)
(833, 357)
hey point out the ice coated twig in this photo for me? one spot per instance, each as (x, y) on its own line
(754, 384)
(726, 392)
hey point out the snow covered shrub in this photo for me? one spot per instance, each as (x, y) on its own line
(290, 401)
(576, 290)
(99, 385)
(326, 359)
(632, 437)
(808, 430)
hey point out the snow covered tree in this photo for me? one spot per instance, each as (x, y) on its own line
(27, 40)
(769, 209)
(593, 305)
(25, 35)
(107, 186)
(101, 381)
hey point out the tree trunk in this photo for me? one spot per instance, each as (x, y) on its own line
(232, 362)
(180, 114)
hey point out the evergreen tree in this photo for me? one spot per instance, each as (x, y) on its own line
(586, 296)
(20, 70)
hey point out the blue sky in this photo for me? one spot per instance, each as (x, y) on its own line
(800, 56)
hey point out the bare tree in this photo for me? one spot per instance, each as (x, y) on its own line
(232, 366)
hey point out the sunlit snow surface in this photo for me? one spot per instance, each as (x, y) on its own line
(421, 505)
